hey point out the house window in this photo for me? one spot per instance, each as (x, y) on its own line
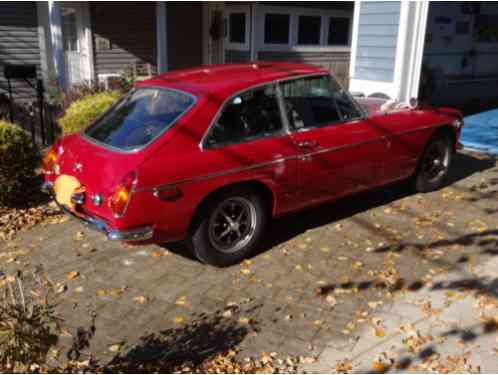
(338, 31)
(309, 30)
(277, 28)
(237, 27)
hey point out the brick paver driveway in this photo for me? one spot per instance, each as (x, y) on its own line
(320, 272)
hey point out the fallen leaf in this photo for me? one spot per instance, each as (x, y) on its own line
(245, 271)
(72, 275)
(114, 348)
(331, 300)
(244, 320)
(298, 267)
(179, 320)
(79, 236)
(140, 300)
(181, 301)
(379, 367)
(78, 289)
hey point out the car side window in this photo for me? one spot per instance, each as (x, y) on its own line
(247, 116)
(316, 101)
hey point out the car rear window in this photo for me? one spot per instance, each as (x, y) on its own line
(140, 117)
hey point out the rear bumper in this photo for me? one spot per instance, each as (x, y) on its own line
(129, 235)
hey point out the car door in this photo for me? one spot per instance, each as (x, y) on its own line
(339, 152)
(248, 141)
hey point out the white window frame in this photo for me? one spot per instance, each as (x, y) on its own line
(247, 12)
(294, 13)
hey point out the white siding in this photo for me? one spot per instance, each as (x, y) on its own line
(377, 37)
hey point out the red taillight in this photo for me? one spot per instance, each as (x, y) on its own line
(121, 197)
(49, 161)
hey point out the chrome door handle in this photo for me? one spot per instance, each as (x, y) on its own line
(307, 144)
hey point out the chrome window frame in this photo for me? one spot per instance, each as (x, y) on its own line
(342, 121)
(156, 138)
(285, 122)
(203, 144)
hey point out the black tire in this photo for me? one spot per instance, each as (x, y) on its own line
(434, 164)
(211, 219)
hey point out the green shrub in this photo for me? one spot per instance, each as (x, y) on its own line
(85, 110)
(18, 161)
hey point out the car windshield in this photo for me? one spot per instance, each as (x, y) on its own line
(140, 117)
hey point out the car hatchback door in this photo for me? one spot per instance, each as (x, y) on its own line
(339, 152)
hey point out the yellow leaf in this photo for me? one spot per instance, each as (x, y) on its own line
(325, 249)
(317, 322)
(72, 275)
(379, 367)
(379, 332)
(179, 320)
(114, 348)
(299, 267)
(181, 301)
(245, 271)
(100, 293)
(79, 289)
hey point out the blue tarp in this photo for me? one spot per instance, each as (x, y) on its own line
(480, 132)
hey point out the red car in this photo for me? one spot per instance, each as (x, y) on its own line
(211, 154)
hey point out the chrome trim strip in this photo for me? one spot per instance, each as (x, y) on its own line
(215, 174)
(256, 166)
(158, 136)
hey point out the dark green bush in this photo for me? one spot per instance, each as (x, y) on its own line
(18, 161)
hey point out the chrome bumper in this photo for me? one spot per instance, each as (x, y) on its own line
(130, 235)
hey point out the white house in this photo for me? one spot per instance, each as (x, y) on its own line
(456, 43)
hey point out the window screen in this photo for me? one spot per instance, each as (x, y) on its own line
(237, 28)
(309, 30)
(277, 28)
(338, 31)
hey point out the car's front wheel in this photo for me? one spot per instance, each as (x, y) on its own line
(434, 164)
(229, 227)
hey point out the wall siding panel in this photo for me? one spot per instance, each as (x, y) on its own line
(377, 37)
(19, 44)
(131, 30)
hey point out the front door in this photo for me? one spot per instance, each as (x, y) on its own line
(74, 19)
(339, 152)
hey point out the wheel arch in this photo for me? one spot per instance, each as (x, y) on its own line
(448, 130)
(259, 186)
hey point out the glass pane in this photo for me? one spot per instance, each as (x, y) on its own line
(338, 31)
(140, 117)
(277, 28)
(316, 101)
(69, 32)
(309, 30)
(251, 115)
(237, 27)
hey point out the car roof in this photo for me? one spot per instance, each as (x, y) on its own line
(227, 79)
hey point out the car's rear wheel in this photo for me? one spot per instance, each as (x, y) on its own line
(229, 227)
(434, 164)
